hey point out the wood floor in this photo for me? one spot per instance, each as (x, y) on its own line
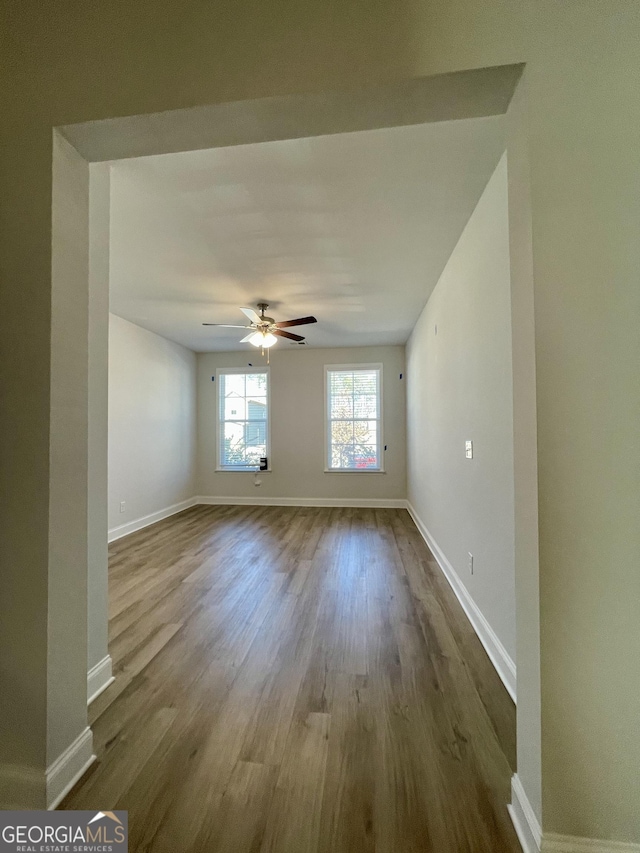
(296, 680)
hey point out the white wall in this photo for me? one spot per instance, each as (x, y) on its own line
(459, 387)
(152, 422)
(98, 438)
(66, 620)
(297, 427)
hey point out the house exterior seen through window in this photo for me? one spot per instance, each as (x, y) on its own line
(243, 418)
(354, 417)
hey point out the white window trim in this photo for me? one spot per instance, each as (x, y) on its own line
(221, 371)
(365, 366)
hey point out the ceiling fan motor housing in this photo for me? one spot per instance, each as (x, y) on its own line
(264, 321)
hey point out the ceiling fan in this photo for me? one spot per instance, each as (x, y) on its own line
(264, 330)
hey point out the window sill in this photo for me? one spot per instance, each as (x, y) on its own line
(354, 471)
(242, 470)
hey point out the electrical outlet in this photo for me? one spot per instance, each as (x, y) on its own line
(123, 505)
(468, 449)
(470, 563)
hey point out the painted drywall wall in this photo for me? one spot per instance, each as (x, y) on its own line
(97, 521)
(585, 211)
(67, 616)
(585, 214)
(298, 427)
(459, 387)
(525, 453)
(152, 422)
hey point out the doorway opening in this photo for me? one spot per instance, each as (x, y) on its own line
(80, 372)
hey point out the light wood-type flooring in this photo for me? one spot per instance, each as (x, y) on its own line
(296, 680)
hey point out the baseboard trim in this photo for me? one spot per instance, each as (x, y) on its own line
(362, 503)
(504, 665)
(139, 523)
(31, 788)
(552, 843)
(523, 818)
(99, 678)
(533, 840)
(69, 767)
(215, 500)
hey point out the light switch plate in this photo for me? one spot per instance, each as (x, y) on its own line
(468, 448)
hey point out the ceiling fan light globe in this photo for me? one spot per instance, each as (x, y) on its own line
(263, 339)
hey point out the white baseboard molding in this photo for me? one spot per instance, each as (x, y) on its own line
(552, 843)
(362, 503)
(33, 788)
(505, 667)
(523, 817)
(99, 678)
(533, 840)
(215, 500)
(146, 520)
(69, 767)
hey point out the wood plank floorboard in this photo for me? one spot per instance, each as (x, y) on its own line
(296, 680)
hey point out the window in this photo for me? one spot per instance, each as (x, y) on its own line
(243, 418)
(354, 417)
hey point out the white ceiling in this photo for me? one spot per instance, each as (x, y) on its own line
(354, 228)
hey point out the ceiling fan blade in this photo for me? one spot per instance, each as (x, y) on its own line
(225, 326)
(303, 321)
(289, 335)
(247, 338)
(251, 314)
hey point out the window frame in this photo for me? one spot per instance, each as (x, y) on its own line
(226, 371)
(329, 368)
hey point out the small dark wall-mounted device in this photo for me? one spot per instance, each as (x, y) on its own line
(263, 463)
